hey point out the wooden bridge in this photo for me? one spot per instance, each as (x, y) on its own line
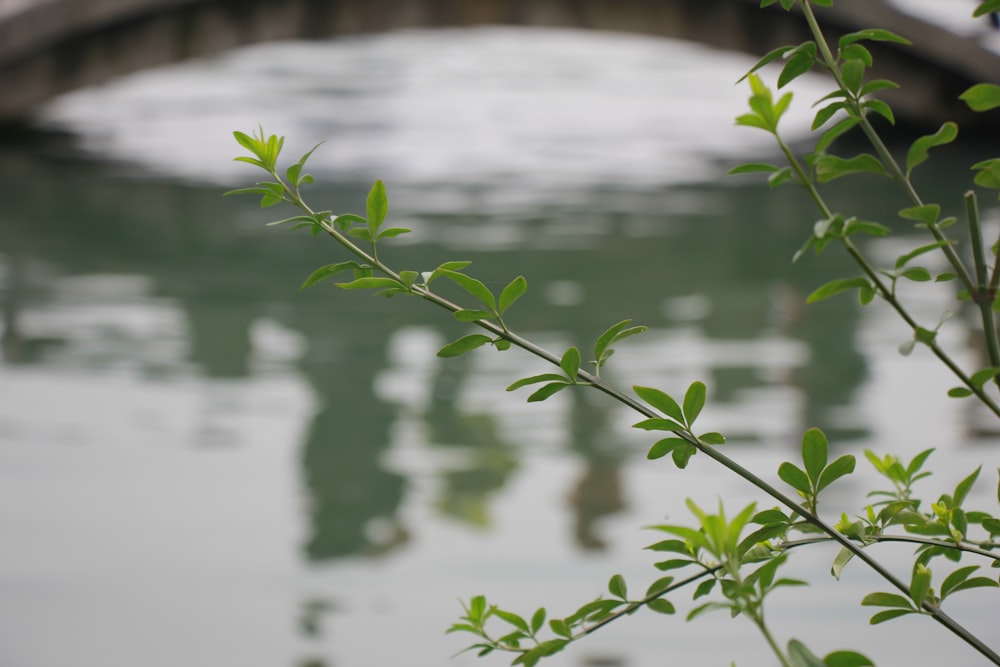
(48, 47)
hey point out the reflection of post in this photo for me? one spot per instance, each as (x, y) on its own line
(491, 461)
(11, 343)
(352, 499)
(598, 493)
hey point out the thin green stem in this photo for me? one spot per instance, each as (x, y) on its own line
(983, 295)
(641, 408)
(883, 151)
(762, 626)
(884, 290)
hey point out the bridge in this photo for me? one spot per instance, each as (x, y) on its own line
(48, 47)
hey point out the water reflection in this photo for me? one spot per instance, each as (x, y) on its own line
(106, 269)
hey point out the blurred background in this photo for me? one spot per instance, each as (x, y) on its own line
(202, 465)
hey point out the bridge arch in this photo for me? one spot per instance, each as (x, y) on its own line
(48, 47)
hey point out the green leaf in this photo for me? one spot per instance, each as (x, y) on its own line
(324, 272)
(800, 656)
(537, 620)
(881, 108)
(874, 35)
(614, 333)
(836, 287)
(982, 96)
(877, 84)
(513, 619)
(975, 582)
(826, 113)
(769, 57)
(847, 659)
(904, 259)
(347, 219)
(886, 600)
(712, 438)
(844, 465)
(853, 71)
(835, 132)
(800, 60)
(546, 391)
(661, 402)
(870, 228)
(570, 363)
(814, 453)
(888, 615)
(373, 282)
(393, 232)
(512, 292)
(920, 585)
(658, 424)
(985, 7)
(617, 587)
(918, 152)
(663, 447)
(362, 233)
(682, 455)
(830, 167)
(917, 274)
(463, 345)
(959, 392)
(963, 488)
(535, 379)
(779, 177)
(794, 477)
(660, 606)
(659, 586)
(560, 627)
(844, 556)
(956, 578)
(981, 377)
(753, 167)
(472, 286)
(989, 173)
(857, 52)
(377, 206)
(694, 401)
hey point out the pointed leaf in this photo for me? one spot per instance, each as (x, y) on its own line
(547, 391)
(836, 287)
(324, 272)
(512, 293)
(661, 402)
(844, 556)
(842, 466)
(814, 453)
(846, 659)
(660, 606)
(982, 96)
(694, 401)
(472, 286)
(663, 447)
(830, 167)
(888, 615)
(377, 206)
(535, 379)
(918, 152)
(463, 345)
(617, 587)
(794, 477)
(886, 600)
(570, 363)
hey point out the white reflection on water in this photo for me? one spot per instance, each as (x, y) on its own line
(144, 537)
(522, 110)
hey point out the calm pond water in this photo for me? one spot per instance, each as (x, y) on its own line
(202, 465)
